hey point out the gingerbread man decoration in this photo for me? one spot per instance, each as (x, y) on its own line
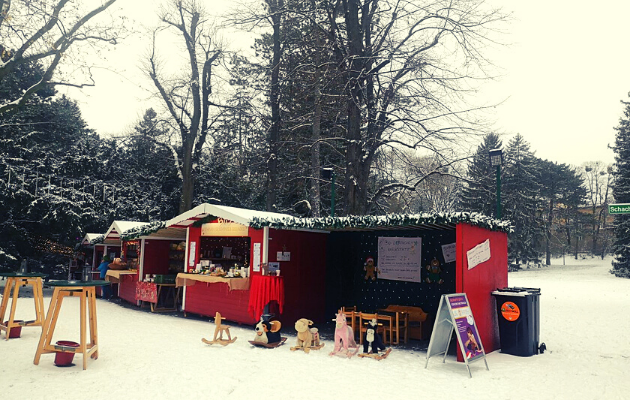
(434, 272)
(370, 269)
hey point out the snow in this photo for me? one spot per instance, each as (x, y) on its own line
(585, 320)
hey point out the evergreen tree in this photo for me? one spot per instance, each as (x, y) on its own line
(621, 193)
(522, 203)
(480, 193)
(562, 188)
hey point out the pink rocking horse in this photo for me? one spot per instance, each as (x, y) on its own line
(344, 336)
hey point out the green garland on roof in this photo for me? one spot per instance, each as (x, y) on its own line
(389, 220)
(144, 230)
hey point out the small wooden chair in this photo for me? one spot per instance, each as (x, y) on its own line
(353, 314)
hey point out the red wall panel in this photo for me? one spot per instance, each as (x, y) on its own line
(479, 282)
(208, 298)
(156, 254)
(304, 275)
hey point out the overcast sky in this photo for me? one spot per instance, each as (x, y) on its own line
(564, 73)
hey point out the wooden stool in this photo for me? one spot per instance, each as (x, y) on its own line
(87, 296)
(14, 281)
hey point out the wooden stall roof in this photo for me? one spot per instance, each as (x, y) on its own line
(200, 214)
(423, 221)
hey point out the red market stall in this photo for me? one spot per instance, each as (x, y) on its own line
(221, 237)
(374, 262)
(123, 283)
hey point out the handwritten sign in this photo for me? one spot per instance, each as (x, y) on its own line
(256, 260)
(192, 253)
(448, 251)
(478, 254)
(400, 258)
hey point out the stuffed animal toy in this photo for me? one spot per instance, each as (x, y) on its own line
(304, 336)
(372, 339)
(434, 272)
(267, 331)
(344, 336)
(370, 269)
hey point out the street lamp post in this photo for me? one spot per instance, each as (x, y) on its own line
(329, 173)
(496, 159)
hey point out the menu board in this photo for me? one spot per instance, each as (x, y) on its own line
(400, 258)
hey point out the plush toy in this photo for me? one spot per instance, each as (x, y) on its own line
(344, 336)
(434, 272)
(372, 339)
(370, 269)
(267, 332)
(304, 336)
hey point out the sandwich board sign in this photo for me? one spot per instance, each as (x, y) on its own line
(454, 314)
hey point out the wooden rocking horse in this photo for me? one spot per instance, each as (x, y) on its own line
(218, 331)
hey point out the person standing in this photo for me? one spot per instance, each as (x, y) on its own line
(103, 267)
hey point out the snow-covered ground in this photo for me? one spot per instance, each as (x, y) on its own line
(585, 323)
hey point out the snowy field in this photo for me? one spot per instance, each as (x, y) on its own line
(585, 323)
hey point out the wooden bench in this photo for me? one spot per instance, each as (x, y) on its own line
(419, 321)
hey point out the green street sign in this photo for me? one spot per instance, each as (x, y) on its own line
(623, 208)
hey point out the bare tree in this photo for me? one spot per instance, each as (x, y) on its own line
(187, 98)
(44, 32)
(407, 66)
(598, 178)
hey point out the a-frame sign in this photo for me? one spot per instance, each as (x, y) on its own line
(454, 314)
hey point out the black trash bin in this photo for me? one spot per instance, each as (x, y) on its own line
(518, 312)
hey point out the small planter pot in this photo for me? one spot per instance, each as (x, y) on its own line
(15, 331)
(63, 359)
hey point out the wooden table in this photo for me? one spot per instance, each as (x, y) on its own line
(14, 281)
(87, 296)
(399, 316)
(157, 294)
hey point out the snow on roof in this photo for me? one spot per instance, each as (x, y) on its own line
(242, 216)
(119, 227)
(89, 237)
(389, 221)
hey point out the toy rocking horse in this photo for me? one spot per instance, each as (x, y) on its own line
(344, 337)
(218, 331)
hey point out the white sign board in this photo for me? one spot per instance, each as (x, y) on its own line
(256, 260)
(192, 253)
(400, 258)
(283, 256)
(478, 254)
(448, 251)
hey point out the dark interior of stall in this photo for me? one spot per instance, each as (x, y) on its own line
(226, 250)
(346, 285)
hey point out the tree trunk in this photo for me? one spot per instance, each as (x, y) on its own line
(274, 131)
(188, 181)
(354, 154)
(548, 233)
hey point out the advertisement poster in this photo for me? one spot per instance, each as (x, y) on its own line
(400, 258)
(478, 254)
(466, 328)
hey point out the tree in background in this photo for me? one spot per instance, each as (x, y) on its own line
(46, 32)
(562, 189)
(187, 96)
(479, 194)
(621, 193)
(522, 202)
(598, 179)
